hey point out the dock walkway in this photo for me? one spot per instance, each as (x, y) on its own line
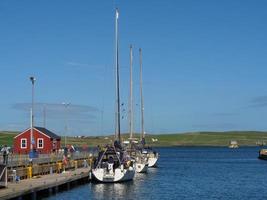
(34, 185)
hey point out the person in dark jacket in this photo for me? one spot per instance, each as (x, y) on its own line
(5, 152)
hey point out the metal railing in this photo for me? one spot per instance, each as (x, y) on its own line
(15, 160)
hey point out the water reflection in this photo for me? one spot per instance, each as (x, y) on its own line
(125, 190)
(110, 191)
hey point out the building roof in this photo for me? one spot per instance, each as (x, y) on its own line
(47, 132)
(42, 130)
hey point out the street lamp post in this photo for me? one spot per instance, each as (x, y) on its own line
(32, 79)
(66, 105)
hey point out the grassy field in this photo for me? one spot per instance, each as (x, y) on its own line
(212, 138)
(247, 138)
(7, 138)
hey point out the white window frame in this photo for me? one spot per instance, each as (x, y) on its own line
(23, 139)
(38, 144)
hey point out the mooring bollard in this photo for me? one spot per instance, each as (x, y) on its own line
(29, 172)
(59, 167)
(75, 164)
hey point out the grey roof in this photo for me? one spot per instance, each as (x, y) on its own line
(47, 132)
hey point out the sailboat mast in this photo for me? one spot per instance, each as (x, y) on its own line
(117, 126)
(131, 94)
(141, 96)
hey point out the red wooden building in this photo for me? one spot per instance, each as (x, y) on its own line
(44, 141)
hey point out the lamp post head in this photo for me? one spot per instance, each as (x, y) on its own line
(32, 79)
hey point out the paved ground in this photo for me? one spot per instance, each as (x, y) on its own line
(44, 182)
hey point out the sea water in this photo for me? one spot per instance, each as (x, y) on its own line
(188, 173)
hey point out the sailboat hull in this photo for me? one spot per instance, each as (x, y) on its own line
(118, 175)
(141, 168)
(152, 162)
(152, 159)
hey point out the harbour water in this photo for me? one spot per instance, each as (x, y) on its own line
(188, 173)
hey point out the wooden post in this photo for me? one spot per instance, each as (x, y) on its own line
(34, 195)
(56, 189)
(50, 190)
(68, 186)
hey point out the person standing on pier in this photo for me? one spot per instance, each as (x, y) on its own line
(5, 152)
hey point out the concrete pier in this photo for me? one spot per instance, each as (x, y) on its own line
(38, 184)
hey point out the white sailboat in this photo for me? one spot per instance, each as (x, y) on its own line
(141, 164)
(113, 163)
(152, 156)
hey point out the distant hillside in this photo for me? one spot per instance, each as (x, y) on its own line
(6, 137)
(244, 138)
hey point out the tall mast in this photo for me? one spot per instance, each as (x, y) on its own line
(131, 94)
(117, 119)
(142, 135)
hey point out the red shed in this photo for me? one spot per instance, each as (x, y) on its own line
(45, 141)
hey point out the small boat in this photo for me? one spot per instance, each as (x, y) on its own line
(233, 144)
(113, 163)
(263, 154)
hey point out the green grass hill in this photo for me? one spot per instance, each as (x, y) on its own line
(244, 138)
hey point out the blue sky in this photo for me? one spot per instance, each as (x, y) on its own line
(205, 64)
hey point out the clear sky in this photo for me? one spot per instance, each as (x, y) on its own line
(205, 64)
